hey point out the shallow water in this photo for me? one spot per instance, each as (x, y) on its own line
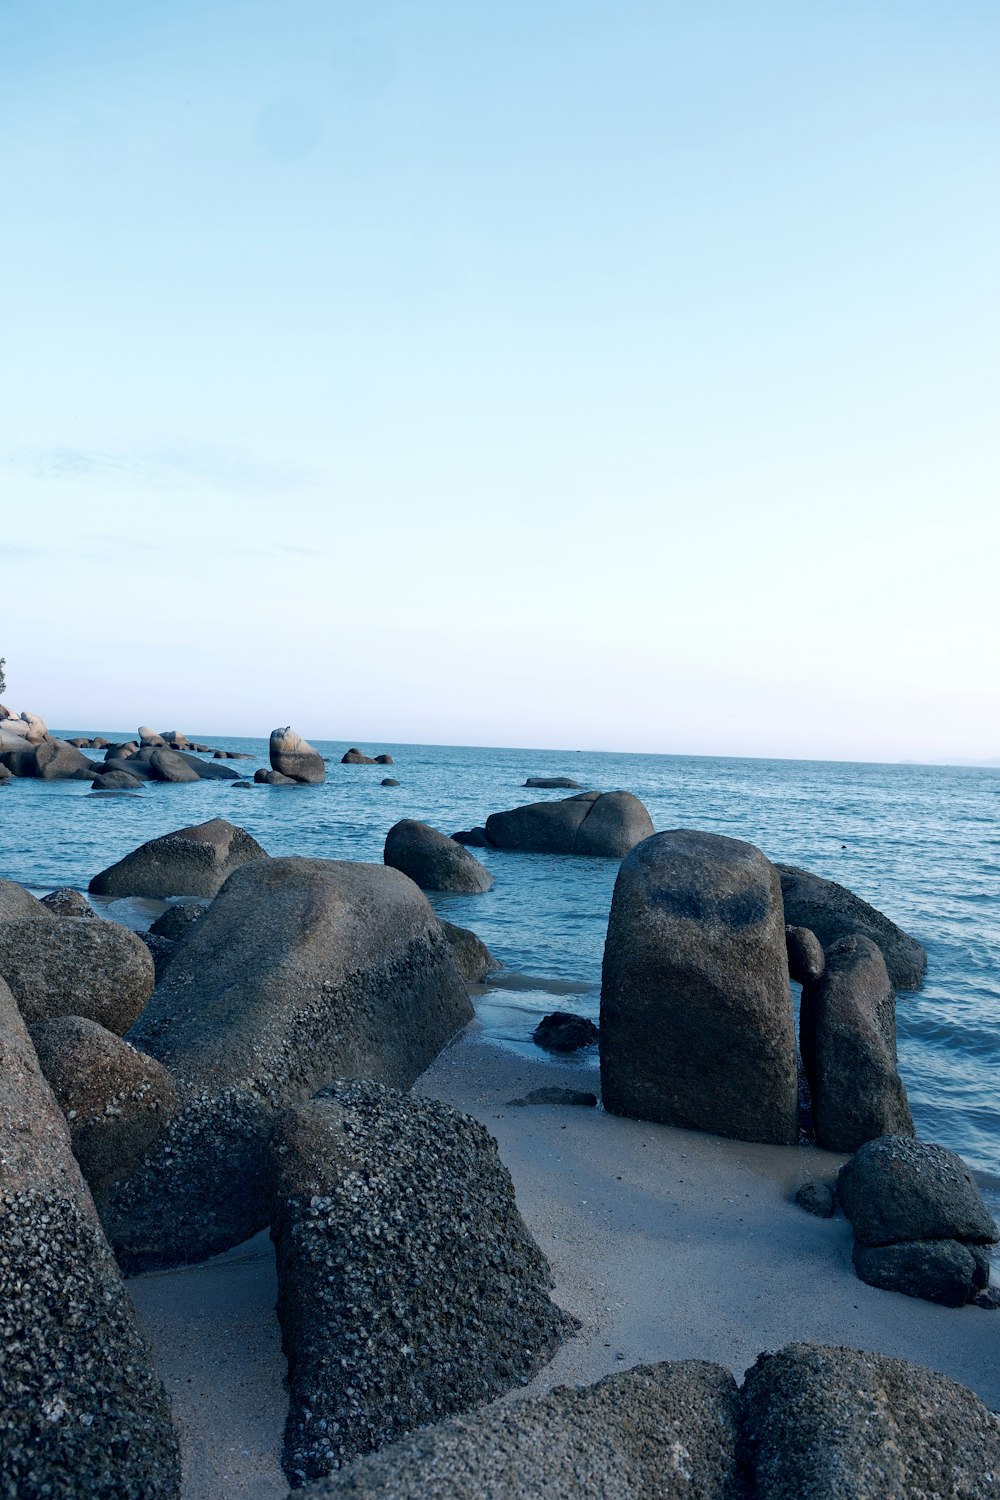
(919, 842)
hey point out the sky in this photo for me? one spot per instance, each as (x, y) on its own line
(550, 373)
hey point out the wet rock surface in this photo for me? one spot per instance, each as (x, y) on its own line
(562, 1031)
(473, 959)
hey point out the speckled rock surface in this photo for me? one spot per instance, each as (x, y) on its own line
(300, 971)
(655, 1432)
(941, 1271)
(696, 1013)
(82, 1412)
(605, 824)
(839, 1424)
(116, 1100)
(409, 1286)
(67, 902)
(433, 861)
(897, 1188)
(19, 905)
(473, 959)
(831, 911)
(176, 922)
(194, 861)
(61, 966)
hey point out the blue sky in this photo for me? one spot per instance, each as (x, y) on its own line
(614, 376)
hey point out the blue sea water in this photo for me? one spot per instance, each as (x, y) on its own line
(919, 842)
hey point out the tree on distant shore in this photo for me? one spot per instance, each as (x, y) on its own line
(3, 680)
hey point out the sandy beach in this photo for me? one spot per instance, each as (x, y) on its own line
(664, 1243)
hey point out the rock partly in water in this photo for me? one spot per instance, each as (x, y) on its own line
(473, 838)
(58, 760)
(562, 1031)
(170, 765)
(192, 861)
(294, 757)
(61, 966)
(898, 1188)
(116, 781)
(67, 902)
(356, 757)
(274, 778)
(831, 911)
(604, 824)
(566, 782)
(388, 781)
(473, 959)
(177, 921)
(433, 861)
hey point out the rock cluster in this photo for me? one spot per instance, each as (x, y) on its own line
(193, 861)
(602, 824)
(28, 749)
(831, 911)
(356, 757)
(433, 861)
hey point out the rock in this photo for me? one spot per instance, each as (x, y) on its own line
(57, 760)
(942, 1271)
(473, 959)
(847, 1033)
(432, 861)
(241, 786)
(80, 743)
(383, 760)
(553, 781)
(13, 732)
(404, 1265)
(169, 765)
(831, 912)
(175, 738)
(99, 742)
(300, 971)
(61, 966)
(161, 950)
(116, 1100)
(150, 737)
(606, 824)
(37, 727)
(136, 766)
(82, 1412)
(817, 1198)
(555, 1095)
(655, 1432)
(356, 757)
(897, 1189)
(177, 921)
(274, 778)
(192, 861)
(805, 955)
(19, 905)
(116, 781)
(696, 1017)
(294, 757)
(474, 838)
(5, 774)
(388, 781)
(69, 903)
(19, 757)
(561, 1031)
(206, 770)
(834, 1424)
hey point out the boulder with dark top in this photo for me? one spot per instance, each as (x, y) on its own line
(175, 738)
(58, 760)
(604, 824)
(696, 1016)
(835, 1424)
(116, 1100)
(274, 778)
(294, 757)
(473, 959)
(831, 912)
(177, 921)
(553, 781)
(116, 781)
(19, 905)
(942, 1271)
(404, 1266)
(847, 1033)
(561, 1031)
(897, 1188)
(170, 765)
(301, 970)
(383, 760)
(82, 1411)
(655, 1432)
(61, 966)
(473, 838)
(433, 861)
(67, 902)
(356, 757)
(192, 861)
(806, 960)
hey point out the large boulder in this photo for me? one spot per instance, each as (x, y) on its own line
(356, 757)
(294, 757)
(116, 781)
(831, 911)
(942, 1271)
(82, 1411)
(61, 966)
(170, 765)
(806, 959)
(897, 1188)
(116, 1100)
(58, 760)
(847, 1034)
(19, 905)
(403, 1266)
(19, 757)
(150, 737)
(607, 824)
(433, 861)
(655, 1432)
(301, 971)
(194, 861)
(834, 1424)
(38, 730)
(696, 1017)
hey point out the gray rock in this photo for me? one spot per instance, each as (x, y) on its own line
(116, 1100)
(19, 905)
(553, 781)
(817, 1198)
(805, 955)
(388, 781)
(404, 1265)
(58, 760)
(20, 758)
(274, 778)
(82, 1412)
(432, 861)
(206, 770)
(474, 838)
(177, 921)
(67, 902)
(897, 1189)
(831, 912)
(847, 1034)
(294, 757)
(300, 971)
(940, 1271)
(356, 757)
(562, 1031)
(555, 1095)
(116, 781)
(473, 959)
(383, 760)
(5, 773)
(135, 764)
(194, 861)
(170, 765)
(696, 1017)
(161, 951)
(150, 737)
(836, 1424)
(605, 824)
(61, 966)
(655, 1432)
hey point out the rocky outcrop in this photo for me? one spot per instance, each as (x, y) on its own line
(432, 861)
(696, 1020)
(170, 765)
(356, 757)
(847, 1035)
(403, 1265)
(562, 1031)
(150, 737)
(294, 757)
(194, 861)
(301, 971)
(473, 959)
(605, 824)
(60, 966)
(82, 1411)
(57, 760)
(831, 912)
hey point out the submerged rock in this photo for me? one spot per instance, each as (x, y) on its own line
(605, 824)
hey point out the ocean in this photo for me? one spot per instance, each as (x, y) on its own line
(919, 842)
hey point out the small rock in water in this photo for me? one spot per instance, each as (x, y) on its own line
(555, 1096)
(561, 1031)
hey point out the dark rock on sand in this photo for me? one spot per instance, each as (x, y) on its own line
(897, 1189)
(847, 1033)
(831, 912)
(300, 971)
(805, 955)
(696, 1018)
(433, 861)
(192, 861)
(605, 824)
(838, 1423)
(553, 781)
(655, 1432)
(294, 757)
(561, 1031)
(817, 1198)
(473, 838)
(61, 966)
(473, 959)
(82, 1411)
(404, 1266)
(555, 1095)
(67, 902)
(942, 1271)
